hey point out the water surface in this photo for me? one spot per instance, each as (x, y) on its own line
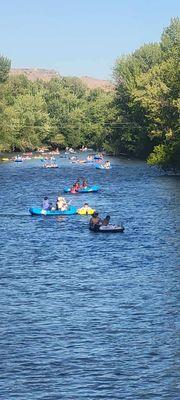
(85, 315)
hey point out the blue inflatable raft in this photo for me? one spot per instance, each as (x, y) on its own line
(101, 166)
(98, 157)
(39, 211)
(88, 189)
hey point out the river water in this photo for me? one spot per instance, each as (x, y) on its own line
(87, 315)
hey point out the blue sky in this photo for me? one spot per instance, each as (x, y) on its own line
(79, 37)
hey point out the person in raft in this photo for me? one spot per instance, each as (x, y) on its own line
(95, 221)
(106, 220)
(46, 204)
(76, 186)
(84, 184)
(89, 158)
(61, 204)
(107, 164)
(85, 207)
(73, 189)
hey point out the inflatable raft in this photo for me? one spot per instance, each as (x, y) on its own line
(108, 229)
(46, 166)
(39, 211)
(83, 211)
(4, 159)
(88, 189)
(98, 158)
(101, 166)
(18, 160)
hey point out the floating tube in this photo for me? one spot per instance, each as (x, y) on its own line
(88, 189)
(83, 211)
(18, 160)
(108, 229)
(98, 158)
(50, 166)
(39, 211)
(102, 167)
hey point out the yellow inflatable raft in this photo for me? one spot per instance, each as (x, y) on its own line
(83, 211)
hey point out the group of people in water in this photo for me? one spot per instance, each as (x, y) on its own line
(95, 160)
(78, 185)
(61, 204)
(95, 221)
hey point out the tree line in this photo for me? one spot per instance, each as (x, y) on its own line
(147, 100)
(140, 117)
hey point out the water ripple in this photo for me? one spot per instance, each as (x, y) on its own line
(85, 316)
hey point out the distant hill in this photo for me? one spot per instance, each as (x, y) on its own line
(47, 74)
(36, 73)
(93, 83)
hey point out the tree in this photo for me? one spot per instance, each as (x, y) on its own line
(147, 98)
(5, 65)
(170, 39)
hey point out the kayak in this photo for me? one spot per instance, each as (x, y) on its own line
(83, 211)
(108, 229)
(39, 211)
(88, 189)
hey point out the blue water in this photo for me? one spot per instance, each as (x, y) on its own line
(86, 315)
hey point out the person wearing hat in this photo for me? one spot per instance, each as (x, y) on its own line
(95, 221)
(61, 204)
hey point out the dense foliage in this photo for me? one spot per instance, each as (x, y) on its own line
(60, 113)
(140, 117)
(147, 99)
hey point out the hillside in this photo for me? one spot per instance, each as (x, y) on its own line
(36, 73)
(94, 83)
(47, 74)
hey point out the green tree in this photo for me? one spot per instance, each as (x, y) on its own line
(5, 65)
(147, 100)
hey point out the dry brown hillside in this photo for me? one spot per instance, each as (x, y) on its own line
(36, 73)
(93, 83)
(47, 74)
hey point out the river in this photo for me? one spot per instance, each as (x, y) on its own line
(87, 315)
